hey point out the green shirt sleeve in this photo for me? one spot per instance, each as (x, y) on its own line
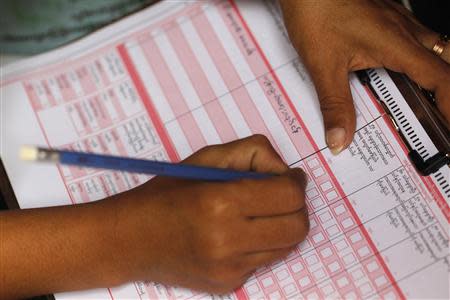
(29, 27)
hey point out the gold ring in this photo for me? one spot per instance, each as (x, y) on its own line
(440, 44)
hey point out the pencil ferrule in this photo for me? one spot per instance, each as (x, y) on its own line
(46, 155)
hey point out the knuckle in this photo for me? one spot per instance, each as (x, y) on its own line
(216, 245)
(205, 156)
(307, 227)
(261, 140)
(301, 176)
(304, 224)
(337, 110)
(294, 191)
(217, 206)
(299, 229)
(210, 152)
(332, 104)
(206, 149)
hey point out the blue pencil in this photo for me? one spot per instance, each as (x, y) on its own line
(133, 165)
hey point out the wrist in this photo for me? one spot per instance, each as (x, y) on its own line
(135, 230)
(108, 256)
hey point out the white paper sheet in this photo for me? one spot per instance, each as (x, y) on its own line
(180, 75)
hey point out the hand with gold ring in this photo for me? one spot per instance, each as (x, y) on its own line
(335, 37)
(440, 45)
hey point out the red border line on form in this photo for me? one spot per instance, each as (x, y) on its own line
(154, 116)
(333, 178)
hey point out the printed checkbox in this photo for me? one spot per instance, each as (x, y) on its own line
(281, 275)
(327, 252)
(316, 203)
(267, 282)
(311, 193)
(357, 274)
(329, 223)
(363, 251)
(319, 274)
(325, 217)
(312, 163)
(326, 186)
(334, 266)
(305, 245)
(372, 266)
(341, 245)
(318, 172)
(340, 209)
(333, 230)
(349, 259)
(275, 296)
(342, 282)
(312, 296)
(356, 237)
(253, 289)
(290, 289)
(381, 280)
(297, 267)
(310, 183)
(328, 289)
(347, 222)
(331, 195)
(318, 237)
(304, 281)
(311, 260)
(366, 288)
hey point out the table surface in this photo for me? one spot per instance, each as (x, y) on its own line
(7, 197)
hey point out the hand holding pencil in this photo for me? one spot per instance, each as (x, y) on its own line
(204, 235)
(218, 232)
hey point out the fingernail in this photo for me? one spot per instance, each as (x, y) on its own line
(335, 140)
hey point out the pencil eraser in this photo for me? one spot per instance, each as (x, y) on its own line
(28, 153)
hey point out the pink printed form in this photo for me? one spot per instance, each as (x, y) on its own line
(202, 86)
(130, 98)
(319, 258)
(319, 267)
(105, 114)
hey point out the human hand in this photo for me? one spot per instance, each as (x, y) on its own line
(212, 236)
(337, 37)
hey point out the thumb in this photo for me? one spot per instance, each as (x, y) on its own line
(336, 104)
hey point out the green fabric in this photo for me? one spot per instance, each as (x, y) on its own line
(32, 26)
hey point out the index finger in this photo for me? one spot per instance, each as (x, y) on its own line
(425, 68)
(253, 153)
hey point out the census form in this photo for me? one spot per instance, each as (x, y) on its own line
(178, 76)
